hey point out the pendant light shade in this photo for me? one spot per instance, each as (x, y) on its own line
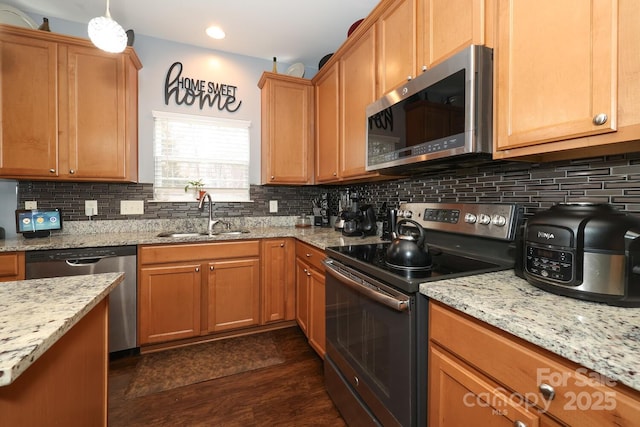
(107, 34)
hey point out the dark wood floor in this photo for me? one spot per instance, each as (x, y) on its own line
(288, 394)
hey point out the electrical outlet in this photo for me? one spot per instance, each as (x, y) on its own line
(31, 205)
(273, 206)
(90, 207)
(131, 207)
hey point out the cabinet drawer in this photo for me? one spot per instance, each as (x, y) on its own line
(155, 254)
(12, 266)
(581, 398)
(311, 255)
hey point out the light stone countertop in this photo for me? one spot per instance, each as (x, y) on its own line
(600, 337)
(316, 236)
(34, 314)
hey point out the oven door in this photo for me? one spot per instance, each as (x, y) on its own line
(370, 338)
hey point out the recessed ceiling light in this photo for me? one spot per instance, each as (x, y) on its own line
(215, 32)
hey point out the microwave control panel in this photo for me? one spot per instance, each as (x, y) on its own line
(553, 264)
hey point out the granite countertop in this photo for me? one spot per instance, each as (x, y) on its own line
(316, 236)
(600, 337)
(34, 314)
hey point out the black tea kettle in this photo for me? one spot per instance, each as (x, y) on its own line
(407, 252)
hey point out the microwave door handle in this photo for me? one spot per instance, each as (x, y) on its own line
(396, 304)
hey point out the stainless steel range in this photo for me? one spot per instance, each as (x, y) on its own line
(376, 360)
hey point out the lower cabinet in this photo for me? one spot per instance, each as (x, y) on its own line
(480, 375)
(188, 290)
(11, 266)
(278, 280)
(310, 294)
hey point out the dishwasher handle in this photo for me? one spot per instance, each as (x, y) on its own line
(80, 262)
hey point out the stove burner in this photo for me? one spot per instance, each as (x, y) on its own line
(424, 271)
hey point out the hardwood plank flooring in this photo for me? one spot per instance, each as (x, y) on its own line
(288, 394)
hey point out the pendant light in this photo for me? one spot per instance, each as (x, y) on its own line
(107, 34)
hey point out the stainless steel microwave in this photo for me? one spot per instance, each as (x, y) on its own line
(441, 119)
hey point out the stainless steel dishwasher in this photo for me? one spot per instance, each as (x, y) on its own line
(75, 262)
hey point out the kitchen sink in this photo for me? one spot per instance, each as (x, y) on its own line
(180, 234)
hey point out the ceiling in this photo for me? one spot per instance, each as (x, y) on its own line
(291, 30)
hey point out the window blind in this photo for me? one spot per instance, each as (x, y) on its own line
(188, 148)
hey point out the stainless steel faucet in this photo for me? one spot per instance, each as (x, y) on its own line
(212, 222)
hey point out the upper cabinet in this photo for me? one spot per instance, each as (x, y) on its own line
(287, 129)
(357, 90)
(69, 111)
(327, 142)
(446, 27)
(566, 79)
(397, 40)
(414, 35)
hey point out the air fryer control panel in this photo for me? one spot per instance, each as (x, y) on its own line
(552, 264)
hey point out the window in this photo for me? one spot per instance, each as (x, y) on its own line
(188, 148)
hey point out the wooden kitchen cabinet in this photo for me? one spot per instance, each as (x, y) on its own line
(278, 280)
(566, 79)
(397, 44)
(479, 373)
(177, 301)
(287, 129)
(11, 266)
(69, 111)
(357, 90)
(327, 140)
(445, 27)
(169, 302)
(310, 295)
(233, 294)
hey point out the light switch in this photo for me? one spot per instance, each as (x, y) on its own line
(90, 207)
(131, 207)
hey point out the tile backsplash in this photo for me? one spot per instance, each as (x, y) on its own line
(611, 179)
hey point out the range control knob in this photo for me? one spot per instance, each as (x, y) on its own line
(484, 219)
(498, 220)
(470, 218)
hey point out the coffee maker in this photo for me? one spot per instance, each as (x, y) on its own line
(361, 222)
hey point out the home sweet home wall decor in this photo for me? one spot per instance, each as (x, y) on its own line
(204, 93)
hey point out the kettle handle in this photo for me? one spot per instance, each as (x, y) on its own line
(422, 236)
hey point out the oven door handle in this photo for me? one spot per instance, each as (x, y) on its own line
(389, 301)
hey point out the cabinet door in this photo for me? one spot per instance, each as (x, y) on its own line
(169, 303)
(447, 27)
(327, 126)
(302, 295)
(458, 396)
(287, 129)
(278, 286)
(397, 39)
(95, 115)
(317, 316)
(233, 294)
(357, 90)
(11, 266)
(28, 107)
(556, 65)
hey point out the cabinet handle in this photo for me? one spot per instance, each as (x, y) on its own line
(600, 119)
(52, 170)
(305, 270)
(197, 269)
(517, 423)
(211, 267)
(272, 177)
(409, 78)
(308, 255)
(424, 68)
(282, 245)
(335, 174)
(547, 391)
(308, 273)
(71, 171)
